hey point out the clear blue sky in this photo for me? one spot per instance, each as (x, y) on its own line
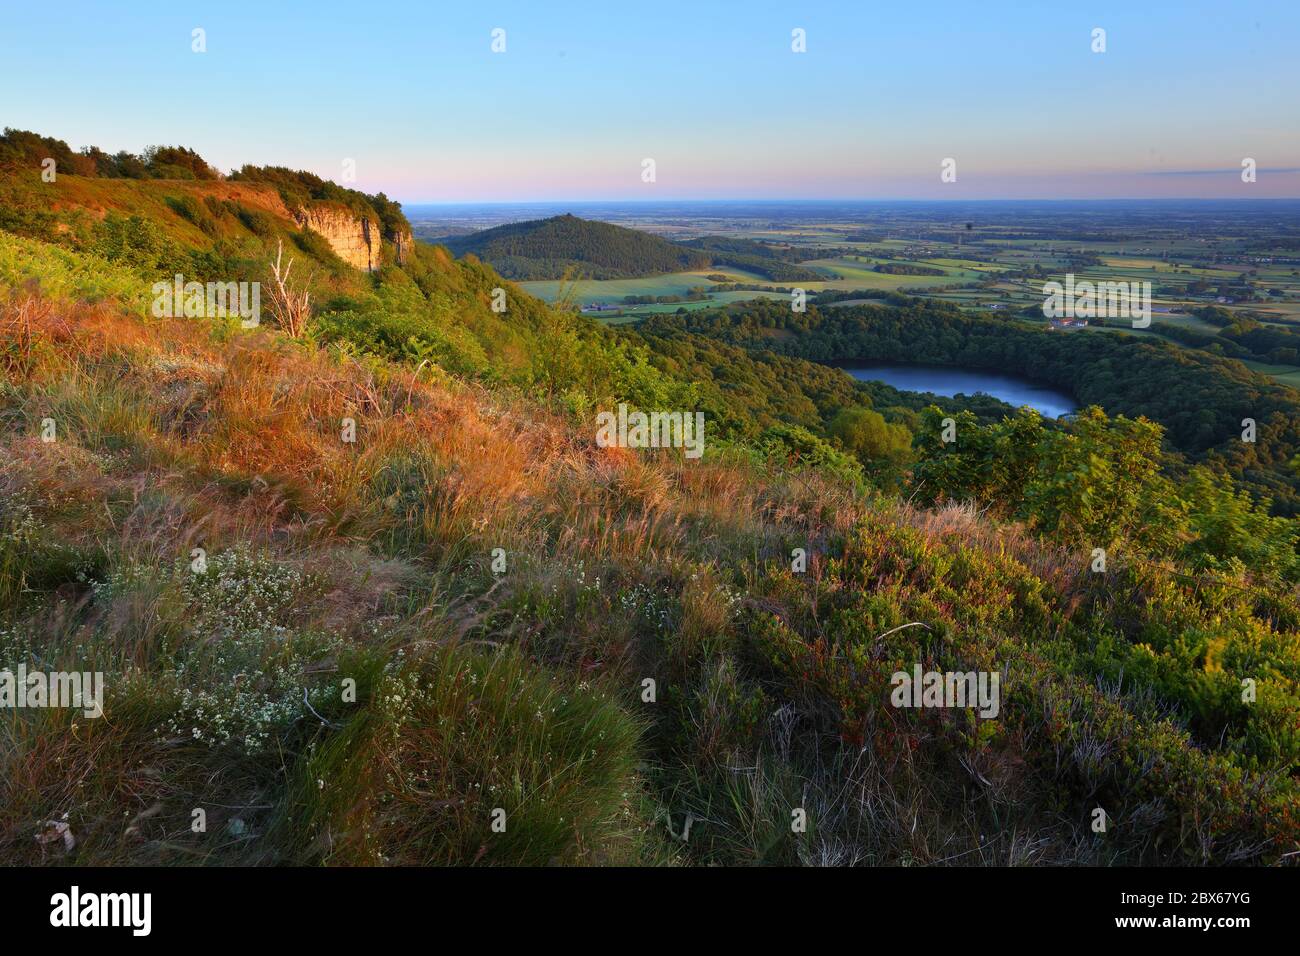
(710, 90)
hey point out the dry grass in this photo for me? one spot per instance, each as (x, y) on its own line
(175, 435)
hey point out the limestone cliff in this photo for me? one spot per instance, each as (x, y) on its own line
(355, 239)
(403, 243)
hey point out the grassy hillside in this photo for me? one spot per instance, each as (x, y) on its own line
(366, 651)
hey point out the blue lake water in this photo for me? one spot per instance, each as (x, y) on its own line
(946, 381)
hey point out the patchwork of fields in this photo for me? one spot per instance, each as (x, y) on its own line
(996, 265)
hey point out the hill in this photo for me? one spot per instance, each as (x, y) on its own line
(228, 219)
(360, 589)
(547, 248)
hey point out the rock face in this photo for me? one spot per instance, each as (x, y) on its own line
(355, 239)
(403, 242)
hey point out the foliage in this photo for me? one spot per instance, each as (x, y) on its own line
(298, 188)
(1199, 399)
(1105, 483)
(24, 149)
(545, 248)
(881, 446)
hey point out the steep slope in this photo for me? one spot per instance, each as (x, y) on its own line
(350, 613)
(196, 214)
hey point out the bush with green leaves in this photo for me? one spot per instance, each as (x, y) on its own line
(256, 221)
(190, 209)
(137, 243)
(884, 448)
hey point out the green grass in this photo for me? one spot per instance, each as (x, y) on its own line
(1286, 374)
(613, 290)
(464, 757)
(62, 273)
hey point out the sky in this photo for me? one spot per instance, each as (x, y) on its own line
(585, 92)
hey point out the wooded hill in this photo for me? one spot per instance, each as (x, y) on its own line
(548, 248)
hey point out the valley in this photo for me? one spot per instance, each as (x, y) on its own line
(991, 257)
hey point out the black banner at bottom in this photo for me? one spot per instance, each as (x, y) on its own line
(216, 906)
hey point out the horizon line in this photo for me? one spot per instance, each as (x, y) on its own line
(880, 199)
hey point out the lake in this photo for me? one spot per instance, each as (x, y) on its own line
(947, 381)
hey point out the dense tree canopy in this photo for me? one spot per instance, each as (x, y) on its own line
(1202, 400)
(547, 248)
(22, 148)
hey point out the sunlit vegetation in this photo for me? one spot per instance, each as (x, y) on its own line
(387, 640)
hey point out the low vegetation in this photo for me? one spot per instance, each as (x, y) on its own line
(369, 593)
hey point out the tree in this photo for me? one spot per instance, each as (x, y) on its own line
(883, 447)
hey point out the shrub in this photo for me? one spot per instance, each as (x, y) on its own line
(315, 245)
(256, 221)
(137, 243)
(187, 207)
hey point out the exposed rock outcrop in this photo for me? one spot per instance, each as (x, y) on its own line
(355, 239)
(403, 242)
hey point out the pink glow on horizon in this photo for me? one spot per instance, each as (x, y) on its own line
(499, 185)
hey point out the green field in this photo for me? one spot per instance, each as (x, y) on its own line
(1285, 374)
(991, 268)
(613, 290)
(847, 275)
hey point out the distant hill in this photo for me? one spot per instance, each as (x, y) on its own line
(545, 248)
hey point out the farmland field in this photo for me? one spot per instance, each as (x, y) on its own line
(991, 259)
(613, 290)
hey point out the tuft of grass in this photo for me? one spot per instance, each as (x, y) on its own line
(460, 758)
